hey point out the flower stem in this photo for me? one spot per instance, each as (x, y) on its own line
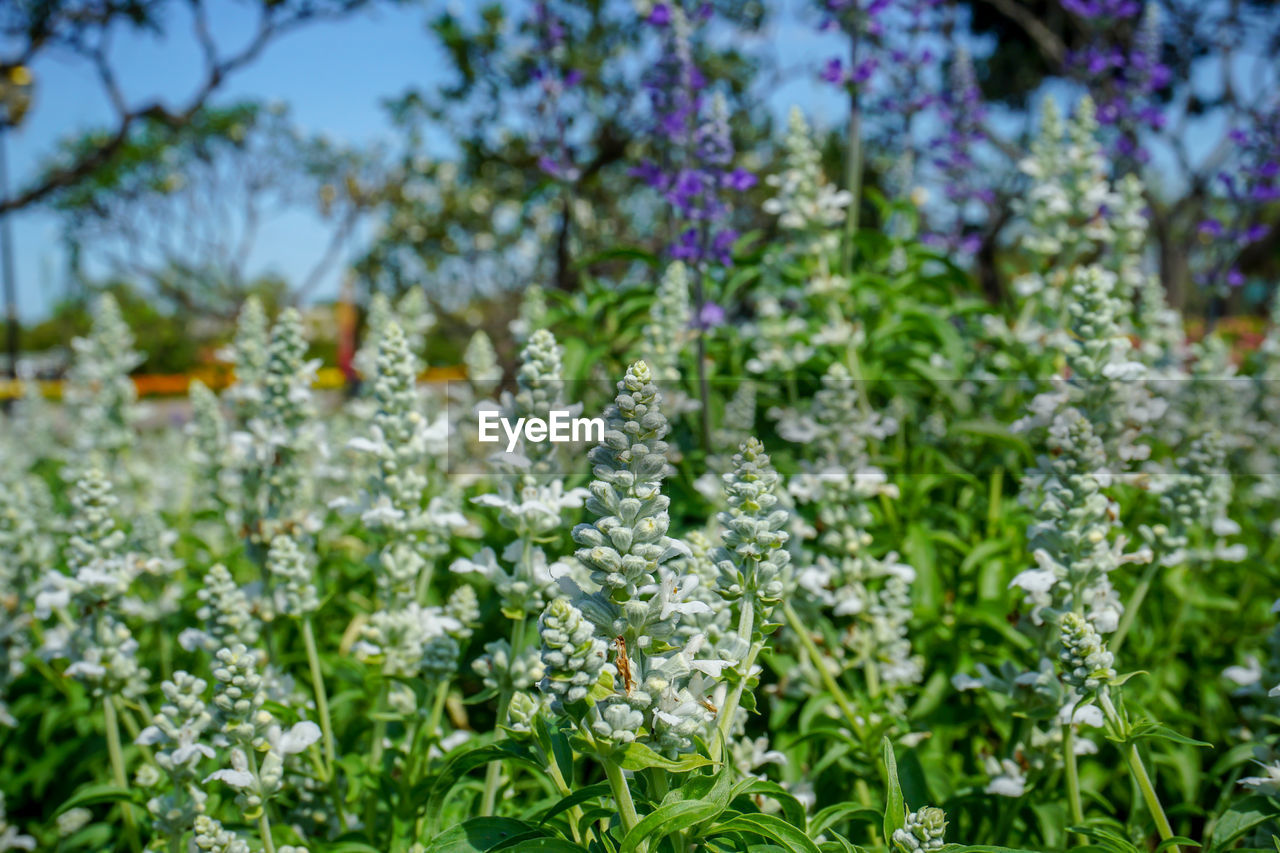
(322, 698)
(815, 657)
(264, 829)
(1131, 610)
(1138, 771)
(1073, 775)
(375, 759)
(562, 785)
(264, 819)
(622, 793)
(853, 160)
(421, 743)
(704, 388)
(746, 626)
(493, 774)
(111, 723)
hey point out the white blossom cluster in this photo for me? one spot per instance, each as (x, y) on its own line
(669, 329)
(87, 600)
(1067, 205)
(804, 200)
(655, 692)
(258, 745)
(924, 830)
(530, 500)
(280, 432)
(100, 391)
(481, 360)
(869, 593)
(403, 635)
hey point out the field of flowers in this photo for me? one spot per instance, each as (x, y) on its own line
(875, 566)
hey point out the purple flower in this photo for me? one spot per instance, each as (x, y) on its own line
(693, 172)
(833, 71)
(1210, 228)
(709, 316)
(552, 119)
(863, 70)
(686, 246)
(660, 15)
(722, 245)
(740, 180)
(954, 156)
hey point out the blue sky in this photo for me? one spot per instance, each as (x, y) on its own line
(333, 76)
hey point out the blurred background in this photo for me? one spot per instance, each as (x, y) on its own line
(184, 154)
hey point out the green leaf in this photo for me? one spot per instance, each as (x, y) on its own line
(1163, 732)
(663, 821)
(981, 848)
(464, 763)
(839, 844)
(590, 792)
(792, 809)
(1181, 840)
(480, 835)
(562, 754)
(95, 795)
(548, 844)
(1239, 819)
(637, 756)
(895, 807)
(911, 776)
(768, 826)
(839, 813)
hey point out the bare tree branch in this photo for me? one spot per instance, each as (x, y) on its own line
(275, 20)
(1048, 42)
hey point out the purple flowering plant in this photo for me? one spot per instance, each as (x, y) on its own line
(692, 169)
(555, 80)
(1122, 66)
(1245, 192)
(953, 155)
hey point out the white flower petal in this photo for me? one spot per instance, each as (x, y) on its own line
(298, 738)
(238, 779)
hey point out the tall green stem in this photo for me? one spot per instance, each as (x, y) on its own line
(704, 386)
(421, 745)
(622, 794)
(1073, 775)
(493, 774)
(1131, 609)
(1138, 771)
(375, 759)
(264, 819)
(853, 160)
(562, 785)
(815, 657)
(746, 626)
(326, 725)
(111, 723)
(322, 698)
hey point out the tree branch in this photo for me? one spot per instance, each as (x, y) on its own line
(1048, 42)
(271, 25)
